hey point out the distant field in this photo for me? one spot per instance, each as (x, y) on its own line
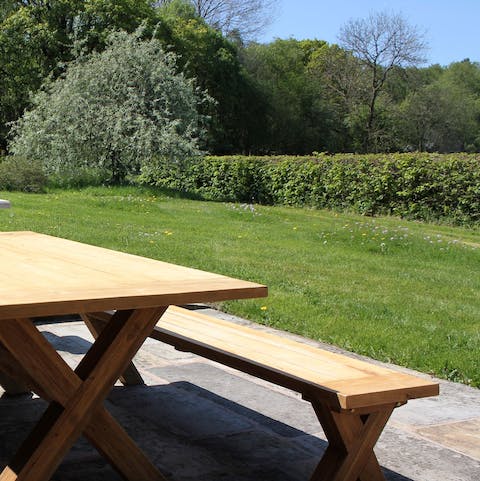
(393, 290)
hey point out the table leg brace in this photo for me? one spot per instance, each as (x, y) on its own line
(131, 376)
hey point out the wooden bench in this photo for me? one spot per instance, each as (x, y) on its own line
(353, 399)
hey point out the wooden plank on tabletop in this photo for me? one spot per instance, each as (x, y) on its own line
(52, 276)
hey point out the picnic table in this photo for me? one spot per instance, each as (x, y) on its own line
(124, 299)
(48, 276)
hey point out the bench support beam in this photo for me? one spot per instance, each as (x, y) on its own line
(351, 438)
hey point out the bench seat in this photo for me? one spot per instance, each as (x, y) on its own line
(353, 399)
(341, 381)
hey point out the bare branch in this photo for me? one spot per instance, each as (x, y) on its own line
(246, 17)
(382, 41)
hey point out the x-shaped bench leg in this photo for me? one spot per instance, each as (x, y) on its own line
(351, 437)
(78, 396)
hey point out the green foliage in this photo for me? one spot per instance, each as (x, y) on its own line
(18, 173)
(345, 93)
(297, 117)
(81, 177)
(38, 38)
(22, 40)
(284, 97)
(444, 115)
(99, 18)
(416, 186)
(213, 60)
(122, 110)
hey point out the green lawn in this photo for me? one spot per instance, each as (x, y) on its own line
(394, 290)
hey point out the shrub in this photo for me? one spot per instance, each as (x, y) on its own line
(416, 185)
(19, 173)
(82, 177)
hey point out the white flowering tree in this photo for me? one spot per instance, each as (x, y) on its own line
(123, 110)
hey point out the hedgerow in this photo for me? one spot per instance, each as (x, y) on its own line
(415, 185)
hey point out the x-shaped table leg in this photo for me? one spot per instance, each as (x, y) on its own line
(95, 324)
(11, 386)
(351, 437)
(77, 397)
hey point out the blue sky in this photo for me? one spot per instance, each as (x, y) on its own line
(451, 27)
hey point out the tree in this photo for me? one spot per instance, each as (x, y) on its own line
(465, 75)
(37, 38)
(247, 18)
(204, 53)
(22, 66)
(98, 18)
(297, 117)
(122, 110)
(382, 41)
(444, 115)
(344, 89)
(6, 7)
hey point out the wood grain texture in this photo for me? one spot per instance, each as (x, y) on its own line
(342, 381)
(47, 276)
(353, 399)
(131, 376)
(52, 276)
(12, 386)
(351, 437)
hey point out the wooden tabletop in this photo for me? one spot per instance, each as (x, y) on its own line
(43, 275)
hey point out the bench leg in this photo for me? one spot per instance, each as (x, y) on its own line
(351, 438)
(131, 376)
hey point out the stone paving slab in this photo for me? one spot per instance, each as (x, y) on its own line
(198, 420)
(463, 436)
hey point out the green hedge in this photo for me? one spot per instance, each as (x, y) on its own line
(420, 186)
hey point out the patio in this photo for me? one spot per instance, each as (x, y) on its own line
(203, 421)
